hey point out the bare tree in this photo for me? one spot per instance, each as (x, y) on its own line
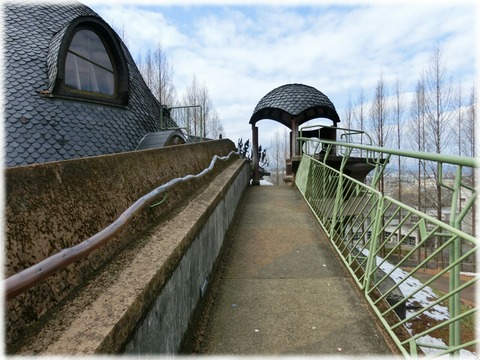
(213, 127)
(204, 123)
(438, 103)
(277, 157)
(157, 71)
(379, 113)
(194, 119)
(398, 110)
(360, 110)
(349, 113)
(464, 130)
(163, 87)
(122, 34)
(471, 145)
(438, 118)
(146, 69)
(458, 129)
(417, 113)
(469, 127)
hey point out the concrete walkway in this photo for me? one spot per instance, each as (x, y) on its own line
(282, 290)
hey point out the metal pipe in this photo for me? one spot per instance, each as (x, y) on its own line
(449, 159)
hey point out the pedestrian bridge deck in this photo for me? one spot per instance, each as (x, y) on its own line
(281, 289)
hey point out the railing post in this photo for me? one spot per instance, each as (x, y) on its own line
(338, 200)
(371, 260)
(295, 144)
(455, 253)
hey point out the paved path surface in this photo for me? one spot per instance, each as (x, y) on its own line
(282, 290)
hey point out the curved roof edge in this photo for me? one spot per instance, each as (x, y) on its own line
(298, 101)
(158, 139)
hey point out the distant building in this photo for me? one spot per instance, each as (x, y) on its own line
(72, 88)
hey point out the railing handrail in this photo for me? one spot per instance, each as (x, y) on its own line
(442, 158)
(346, 131)
(354, 215)
(25, 279)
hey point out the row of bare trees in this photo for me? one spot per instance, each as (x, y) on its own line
(158, 74)
(436, 118)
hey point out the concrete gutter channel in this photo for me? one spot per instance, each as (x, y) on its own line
(143, 301)
(54, 206)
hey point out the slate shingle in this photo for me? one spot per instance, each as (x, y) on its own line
(294, 101)
(33, 33)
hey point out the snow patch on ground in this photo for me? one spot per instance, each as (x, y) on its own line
(423, 298)
(265, 183)
(469, 274)
(464, 354)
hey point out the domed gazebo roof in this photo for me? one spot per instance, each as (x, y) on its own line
(294, 101)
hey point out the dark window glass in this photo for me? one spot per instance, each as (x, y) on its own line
(88, 66)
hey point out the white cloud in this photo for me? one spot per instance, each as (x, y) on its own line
(241, 53)
(143, 29)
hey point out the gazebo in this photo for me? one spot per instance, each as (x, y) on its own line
(292, 105)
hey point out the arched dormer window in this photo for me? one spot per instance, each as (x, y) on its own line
(91, 64)
(88, 66)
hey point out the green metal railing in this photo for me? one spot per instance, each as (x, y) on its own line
(392, 249)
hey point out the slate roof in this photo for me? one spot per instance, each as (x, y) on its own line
(294, 100)
(42, 129)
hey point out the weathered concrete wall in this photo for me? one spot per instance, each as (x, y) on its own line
(53, 206)
(104, 312)
(165, 324)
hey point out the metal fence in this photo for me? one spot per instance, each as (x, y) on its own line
(407, 263)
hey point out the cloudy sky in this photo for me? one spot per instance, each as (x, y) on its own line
(243, 50)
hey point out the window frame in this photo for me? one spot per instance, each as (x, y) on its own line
(112, 45)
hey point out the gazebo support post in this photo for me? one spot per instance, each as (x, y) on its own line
(295, 145)
(256, 172)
